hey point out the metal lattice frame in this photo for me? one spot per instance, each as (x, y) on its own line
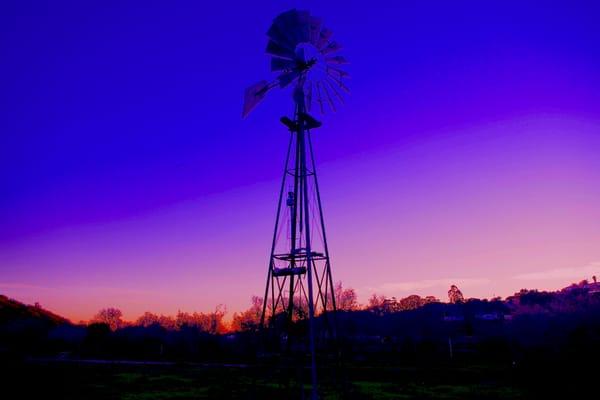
(299, 281)
(299, 273)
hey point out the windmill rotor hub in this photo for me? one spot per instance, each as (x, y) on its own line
(311, 62)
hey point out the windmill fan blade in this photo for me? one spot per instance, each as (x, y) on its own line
(336, 60)
(254, 95)
(339, 82)
(324, 36)
(337, 72)
(315, 29)
(320, 98)
(331, 47)
(287, 78)
(329, 99)
(309, 95)
(288, 22)
(280, 37)
(297, 26)
(303, 30)
(280, 64)
(332, 85)
(278, 50)
(301, 54)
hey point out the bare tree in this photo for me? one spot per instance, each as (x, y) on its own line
(211, 322)
(147, 319)
(167, 322)
(249, 319)
(455, 295)
(110, 316)
(431, 299)
(375, 302)
(411, 302)
(345, 299)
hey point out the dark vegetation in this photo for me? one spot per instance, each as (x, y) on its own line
(531, 345)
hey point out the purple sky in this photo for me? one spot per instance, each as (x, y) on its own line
(467, 153)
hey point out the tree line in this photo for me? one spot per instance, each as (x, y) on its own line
(213, 322)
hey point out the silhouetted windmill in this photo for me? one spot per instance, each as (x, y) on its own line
(299, 282)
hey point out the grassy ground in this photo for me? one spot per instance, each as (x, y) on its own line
(150, 382)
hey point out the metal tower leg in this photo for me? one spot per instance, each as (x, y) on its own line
(269, 272)
(311, 311)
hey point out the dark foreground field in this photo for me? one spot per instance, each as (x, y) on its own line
(73, 380)
(536, 345)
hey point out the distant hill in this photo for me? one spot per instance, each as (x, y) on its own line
(12, 310)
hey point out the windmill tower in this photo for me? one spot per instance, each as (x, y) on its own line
(299, 279)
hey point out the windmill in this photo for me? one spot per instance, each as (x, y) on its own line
(299, 280)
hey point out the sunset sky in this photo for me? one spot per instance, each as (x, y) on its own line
(468, 151)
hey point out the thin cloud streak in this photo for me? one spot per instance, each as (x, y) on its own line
(18, 285)
(430, 283)
(562, 273)
(108, 290)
